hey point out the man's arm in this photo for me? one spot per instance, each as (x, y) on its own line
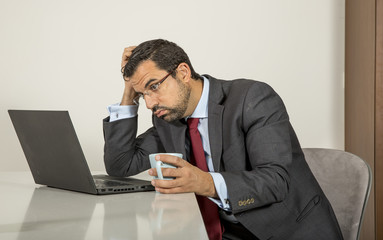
(268, 146)
(124, 154)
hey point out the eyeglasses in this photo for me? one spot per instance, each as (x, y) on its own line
(152, 88)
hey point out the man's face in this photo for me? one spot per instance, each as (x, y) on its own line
(170, 100)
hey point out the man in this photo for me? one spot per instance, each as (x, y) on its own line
(255, 171)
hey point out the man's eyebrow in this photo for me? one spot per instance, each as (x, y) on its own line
(149, 82)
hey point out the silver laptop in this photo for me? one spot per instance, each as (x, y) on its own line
(55, 157)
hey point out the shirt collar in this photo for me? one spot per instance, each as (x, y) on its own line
(201, 111)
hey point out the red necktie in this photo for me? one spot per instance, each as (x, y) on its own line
(209, 210)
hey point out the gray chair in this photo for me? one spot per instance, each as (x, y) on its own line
(346, 181)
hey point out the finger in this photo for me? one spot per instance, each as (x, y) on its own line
(165, 183)
(166, 172)
(126, 55)
(127, 52)
(153, 172)
(173, 160)
(131, 48)
(171, 172)
(170, 190)
(170, 184)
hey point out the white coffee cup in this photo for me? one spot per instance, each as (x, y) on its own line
(159, 164)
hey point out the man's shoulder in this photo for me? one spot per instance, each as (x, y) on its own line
(240, 84)
(234, 82)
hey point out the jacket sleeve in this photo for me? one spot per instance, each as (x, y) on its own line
(124, 153)
(267, 143)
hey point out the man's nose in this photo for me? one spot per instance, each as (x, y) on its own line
(150, 101)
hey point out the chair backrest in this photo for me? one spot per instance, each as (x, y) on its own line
(346, 181)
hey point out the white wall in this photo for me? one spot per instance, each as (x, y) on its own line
(65, 55)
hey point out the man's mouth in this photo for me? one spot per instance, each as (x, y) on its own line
(160, 112)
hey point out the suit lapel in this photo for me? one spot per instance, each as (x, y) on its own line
(215, 121)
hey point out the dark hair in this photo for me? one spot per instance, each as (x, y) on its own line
(165, 54)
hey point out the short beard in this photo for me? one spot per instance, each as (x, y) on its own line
(178, 111)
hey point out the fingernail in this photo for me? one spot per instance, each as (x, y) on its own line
(157, 157)
(150, 171)
(153, 183)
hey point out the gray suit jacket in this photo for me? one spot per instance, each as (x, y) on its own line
(253, 145)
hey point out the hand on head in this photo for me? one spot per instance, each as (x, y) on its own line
(129, 92)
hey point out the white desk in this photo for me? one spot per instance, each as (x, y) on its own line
(30, 211)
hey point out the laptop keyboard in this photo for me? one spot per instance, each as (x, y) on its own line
(109, 183)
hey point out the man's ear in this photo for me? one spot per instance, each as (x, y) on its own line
(184, 72)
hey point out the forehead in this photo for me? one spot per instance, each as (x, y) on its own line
(147, 71)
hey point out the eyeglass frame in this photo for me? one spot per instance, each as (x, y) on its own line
(153, 88)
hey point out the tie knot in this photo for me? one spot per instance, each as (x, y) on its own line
(193, 122)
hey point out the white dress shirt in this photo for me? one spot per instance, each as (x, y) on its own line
(118, 112)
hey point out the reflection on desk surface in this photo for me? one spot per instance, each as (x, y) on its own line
(60, 214)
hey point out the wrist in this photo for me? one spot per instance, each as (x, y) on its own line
(128, 96)
(126, 102)
(211, 191)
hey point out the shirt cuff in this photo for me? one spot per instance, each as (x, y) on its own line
(118, 112)
(220, 187)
